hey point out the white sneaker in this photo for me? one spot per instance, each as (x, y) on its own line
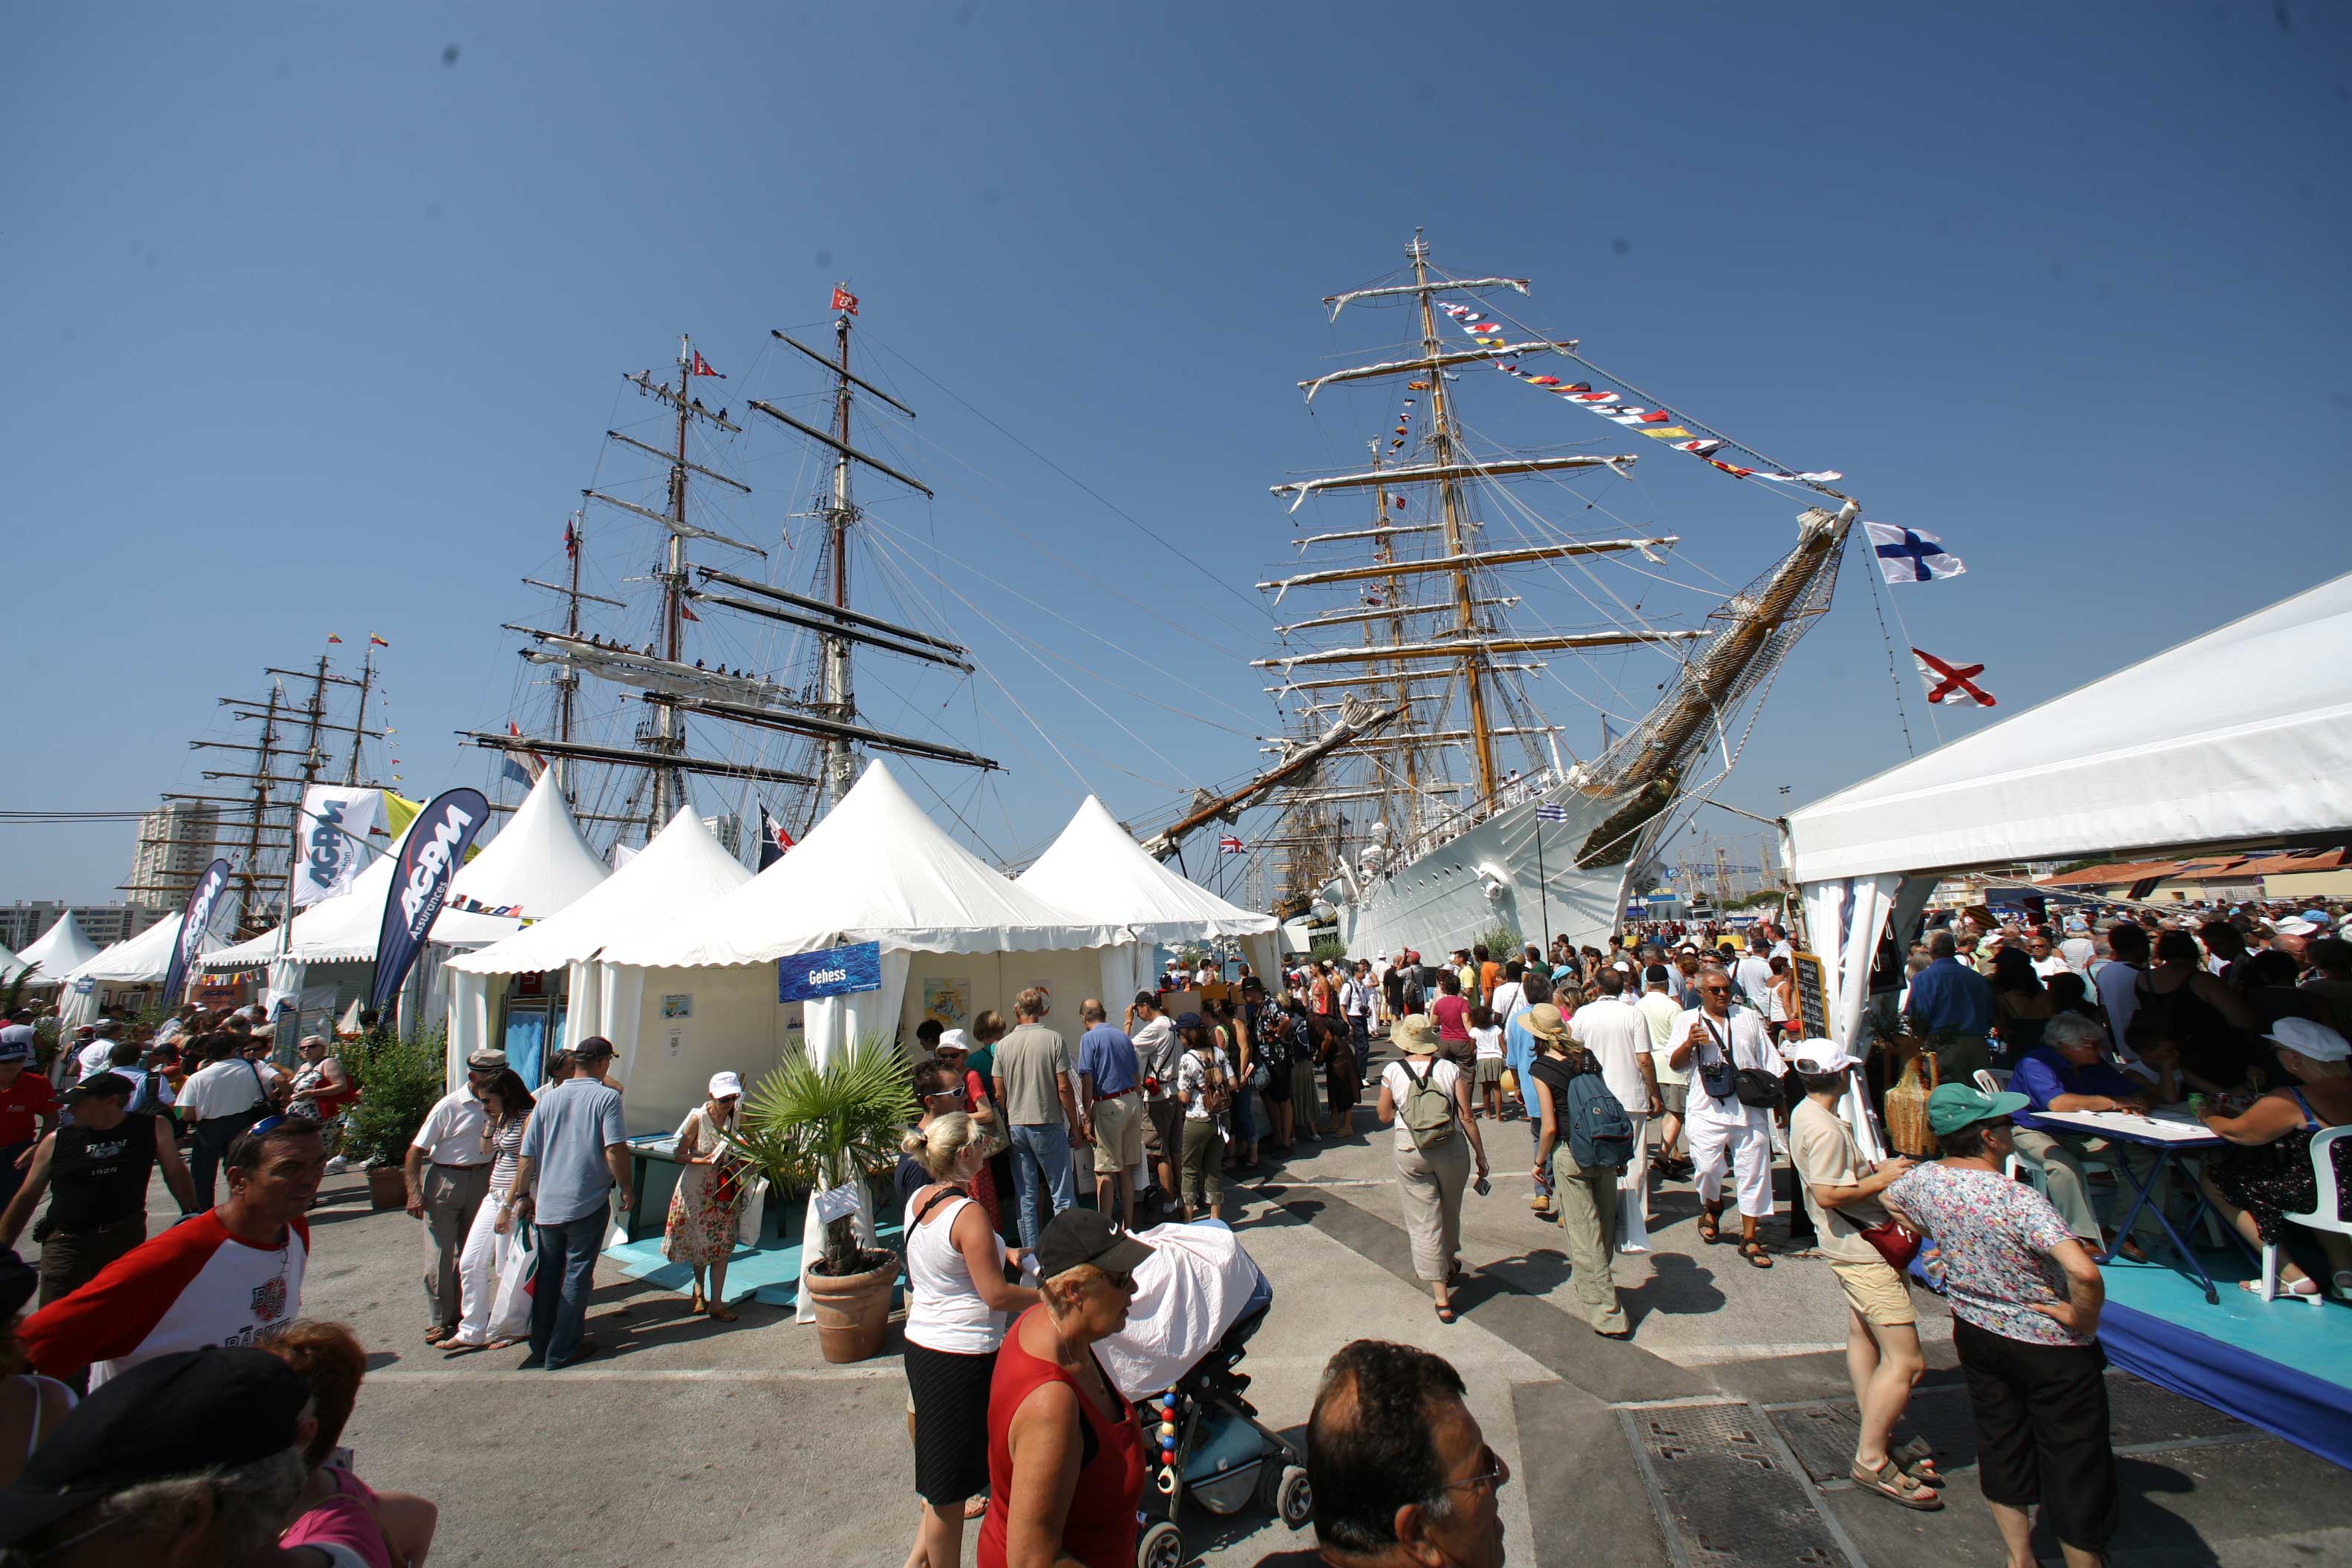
(337, 1165)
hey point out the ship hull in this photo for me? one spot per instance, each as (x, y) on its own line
(1511, 870)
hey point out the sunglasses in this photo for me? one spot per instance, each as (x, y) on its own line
(1123, 1281)
(1492, 1472)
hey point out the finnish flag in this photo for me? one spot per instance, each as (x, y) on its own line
(1907, 555)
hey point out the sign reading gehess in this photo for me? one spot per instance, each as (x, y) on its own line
(429, 856)
(829, 972)
(330, 839)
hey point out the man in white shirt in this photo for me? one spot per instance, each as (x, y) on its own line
(94, 1047)
(2048, 962)
(450, 1141)
(1510, 995)
(1660, 1008)
(1156, 1050)
(1716, 1036)
(1357, 999)
(218, 1101)
(1753, 974)
(1617, 1034)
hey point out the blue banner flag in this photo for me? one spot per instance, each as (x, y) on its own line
(429, 857)
(829, 972)
(196, 919)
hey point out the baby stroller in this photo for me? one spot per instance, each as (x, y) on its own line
(1202, 1439)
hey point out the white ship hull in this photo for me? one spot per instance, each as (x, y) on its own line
(1499, 873)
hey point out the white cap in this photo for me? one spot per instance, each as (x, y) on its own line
(953, 1040)
(723, 1084)
(2305, 1038)
(1818, 1057)
(2299, 926)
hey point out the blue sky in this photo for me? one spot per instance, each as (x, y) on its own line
(317, 314)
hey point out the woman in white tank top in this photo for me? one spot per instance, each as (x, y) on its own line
(958, 1304)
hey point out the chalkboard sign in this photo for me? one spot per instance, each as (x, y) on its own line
(1812, 995)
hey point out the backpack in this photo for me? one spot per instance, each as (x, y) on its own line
(1600, 1133)
(146, 1100)
(1428, 1111)
(1216, 1088)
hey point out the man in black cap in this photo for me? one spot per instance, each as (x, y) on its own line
(191, 1458)
(96, 1170)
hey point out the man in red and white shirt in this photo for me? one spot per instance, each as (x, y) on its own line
(228, 1277)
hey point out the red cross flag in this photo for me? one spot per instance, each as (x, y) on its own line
(1952, 683)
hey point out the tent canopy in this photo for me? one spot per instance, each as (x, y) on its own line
(537, 864)
(145, 958)
(682, 872)
(2242, 734)
(10, 964)
(60, 950)
(1097, 869)
(875, 869)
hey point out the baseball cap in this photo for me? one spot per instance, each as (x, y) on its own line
(1957, 1105)
(1191, 1021)
(2299, 926)
(724, 1084)
(97, 1086)
(594, 1046)
(175, 1415)
(15, 1044)
(1818, 1057)
(1085, 1236)
(2306, 1039)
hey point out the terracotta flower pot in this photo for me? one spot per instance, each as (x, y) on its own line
(852, 1311)
(387, 1187)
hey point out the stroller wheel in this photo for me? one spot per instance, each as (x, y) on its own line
(1294, 1497)
(1160, 1546)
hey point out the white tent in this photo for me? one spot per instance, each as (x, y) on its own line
(682, 871)
(141, 961)
(59, 951)
(685, 1003)
(1096, 868)
(2242, 735)
(10, 965)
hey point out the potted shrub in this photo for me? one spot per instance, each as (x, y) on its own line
(399, 1081)
(809, 1127)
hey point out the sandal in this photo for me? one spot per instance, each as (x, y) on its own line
(1902, 1487)
(436, 1334)
(1709, 1231)
(1917, 1459)
(974, 1507)
(1445, 1312)
(1756, 1254)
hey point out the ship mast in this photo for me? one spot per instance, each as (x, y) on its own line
(1445, 443)
(666, 723)
(840, 770)
(1401, 690)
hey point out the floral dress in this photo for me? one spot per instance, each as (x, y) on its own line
(707, 1199)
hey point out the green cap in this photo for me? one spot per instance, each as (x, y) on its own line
(1957, 1105)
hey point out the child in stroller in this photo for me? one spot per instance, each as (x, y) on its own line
(1198, 1300)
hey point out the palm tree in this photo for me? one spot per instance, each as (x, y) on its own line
(821, 1127)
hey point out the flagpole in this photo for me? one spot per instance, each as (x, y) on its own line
(1543, 887)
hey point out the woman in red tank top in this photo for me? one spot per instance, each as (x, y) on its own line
(1065, 1454)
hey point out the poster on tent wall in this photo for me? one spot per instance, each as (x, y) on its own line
(331, 836)
(196, 919)
(429, 858)
(829, 972)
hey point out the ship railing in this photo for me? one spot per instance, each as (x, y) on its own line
(1517, 790)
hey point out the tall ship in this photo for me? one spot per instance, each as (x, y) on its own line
(1458, 620)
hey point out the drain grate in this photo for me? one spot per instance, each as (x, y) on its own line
(1728, 1490)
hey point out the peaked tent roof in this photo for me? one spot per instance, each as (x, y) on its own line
(60, 950)
(876, 870)
(677, 875)
(147, 956)
(9, 965)
(2180, 749)
(1098, 870)
(546, 867)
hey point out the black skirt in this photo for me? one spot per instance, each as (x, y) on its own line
(951, 1394)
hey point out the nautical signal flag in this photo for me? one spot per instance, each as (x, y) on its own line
(1952, 684)
(332, 637)
(702, 367)
(570, 541)
(774, 838)
(1229, 845)
(375, 641)
(842, 299)
(1907, 555)
(1551, 811)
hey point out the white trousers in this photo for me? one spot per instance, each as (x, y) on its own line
(492, 1305)
(1747, 1147)
(1633, 1193)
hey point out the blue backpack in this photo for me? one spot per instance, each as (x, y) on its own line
(1600, 1133)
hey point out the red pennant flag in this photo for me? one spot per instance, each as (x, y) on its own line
(686, 611)
(571, 542)
(702, 367)
(842, 299)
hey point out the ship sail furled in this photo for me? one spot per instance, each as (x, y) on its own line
(1425, 833)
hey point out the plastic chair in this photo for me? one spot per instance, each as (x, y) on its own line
(2325, 1213)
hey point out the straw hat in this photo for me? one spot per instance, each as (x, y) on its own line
(1415, 1036)
(1545, 1021)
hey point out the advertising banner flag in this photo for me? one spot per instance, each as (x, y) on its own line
(429, 858)
(330, 839)
(829, 972)
(203, 899)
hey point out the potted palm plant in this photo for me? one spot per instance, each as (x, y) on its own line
(826, 1128)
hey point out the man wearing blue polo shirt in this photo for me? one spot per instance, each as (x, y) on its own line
(1109, 1076)
(2066, 1072)
(1953, 1006)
